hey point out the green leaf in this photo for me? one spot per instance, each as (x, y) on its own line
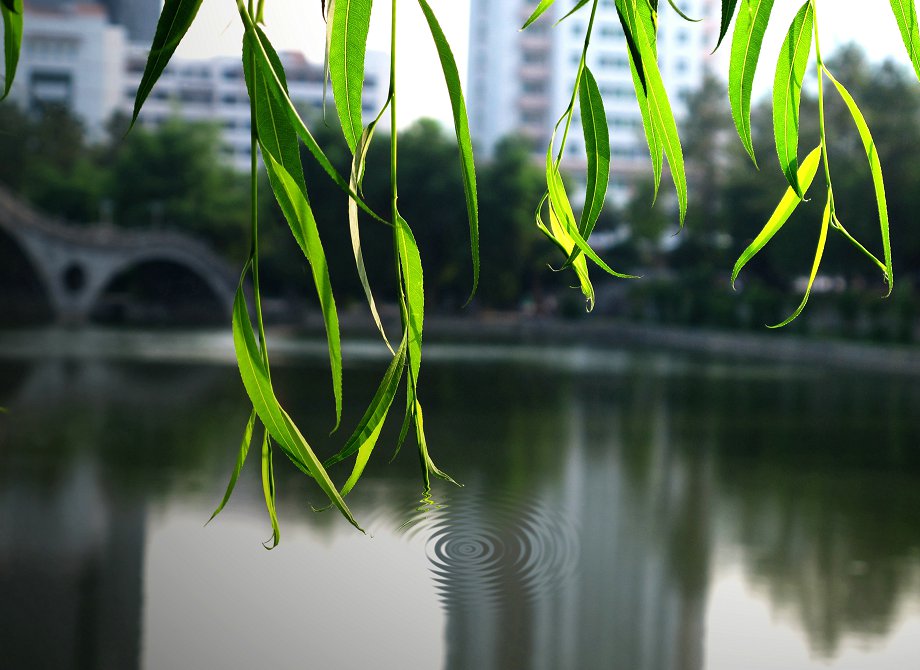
(819, 252)
(268, 491)
(281, 155)
(626, 11)
(358, 163)
(783, 211)
(240, 460)
(728, 11)
(365, 435)
(681, 14)
(275, 85)
(347, 48)
(905, 13)
(597, 149)
(175, 20)
(12, 41)
(462, 130)
(746, 42)
(542, 7)
(875, 167)
(413, 292)
(297, 211)
(787, 92)
(256, 380)
(581, 3)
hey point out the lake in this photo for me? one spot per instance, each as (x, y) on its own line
(627, 509)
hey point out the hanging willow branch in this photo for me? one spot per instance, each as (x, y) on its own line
(278, 129)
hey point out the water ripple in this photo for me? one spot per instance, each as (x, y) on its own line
(486, 550)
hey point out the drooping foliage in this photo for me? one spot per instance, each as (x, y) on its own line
(279, 132)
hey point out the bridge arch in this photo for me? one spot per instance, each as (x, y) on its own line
(23, 287)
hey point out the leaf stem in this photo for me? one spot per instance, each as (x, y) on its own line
(821, 122)
(570, 110)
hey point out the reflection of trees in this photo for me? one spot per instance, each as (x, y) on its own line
(818, 475)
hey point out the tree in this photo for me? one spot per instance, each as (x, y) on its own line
(278, 130)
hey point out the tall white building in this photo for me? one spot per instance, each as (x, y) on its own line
(521, 81)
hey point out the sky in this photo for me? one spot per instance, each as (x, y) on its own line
(298, 25)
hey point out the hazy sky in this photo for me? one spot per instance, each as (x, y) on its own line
(299, 25)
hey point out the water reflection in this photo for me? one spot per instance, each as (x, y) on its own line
(601, 517)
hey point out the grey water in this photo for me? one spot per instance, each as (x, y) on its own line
(636, 510)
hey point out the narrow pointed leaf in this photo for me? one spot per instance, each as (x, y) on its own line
(581, 3)
(410, 263)
(297, 211)
(268, 491)
(280, 426)
(358, 163)
(875, 167)
(626, 11)
(597, 149)
(783, 211)
(240, 461)
(728, 11)
(347, 49)
(819, 252)
(175, 20)
(905, 13)
(328, 9)
(462, 130)
(285, 173)
(278, 91)
(681, 13)
(787, 92)
(12, 41)
(747, 39)
(538, 12)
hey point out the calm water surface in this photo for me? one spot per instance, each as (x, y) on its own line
(623, 510)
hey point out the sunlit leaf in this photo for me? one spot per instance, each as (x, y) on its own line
(538, 12)
(875, 167)
(819, 252)
(787, 92)
(285, 172)
(783, 211)
(12, 41)
(268, 491)
(747, 38)
(905, 13)
(728, 11)
(256, 380)
(347, 48)
(626, 11)
(240, 461)
(597, 149)
(175, 20)
(462, 130)
(579, 5)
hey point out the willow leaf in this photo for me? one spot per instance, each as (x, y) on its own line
(351, 20)
(462, 130)
(538, 12)
(875, 167)
(359, 161)
(254, 374)
(369, 427)
(268, 491)
(328, 9)
(12, 41)
(175, 20)
(579, 5)
(905, 13)
(819, 253)
(787, 92)
(240, 461)
(410, 265)
(660, 113)
(626, 11)
(728, 11)
(681, 13)
(597, 149)
(427, 463)
(783, 211)
(297, 211)
(276, 87)
(746, 42)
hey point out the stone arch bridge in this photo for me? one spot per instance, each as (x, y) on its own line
(75, 264)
